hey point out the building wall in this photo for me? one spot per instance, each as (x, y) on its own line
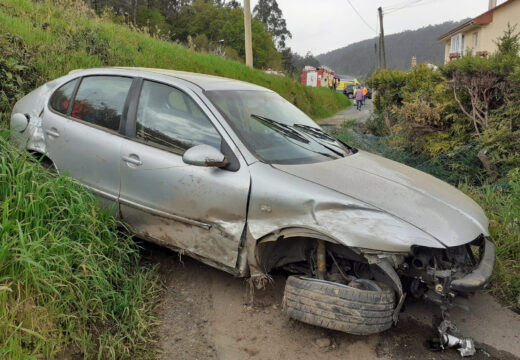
(488, 34)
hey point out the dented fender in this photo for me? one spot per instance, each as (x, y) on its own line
(281, 201)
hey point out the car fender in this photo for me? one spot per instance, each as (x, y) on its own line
(280, 201)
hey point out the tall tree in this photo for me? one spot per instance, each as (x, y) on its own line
(268, 12)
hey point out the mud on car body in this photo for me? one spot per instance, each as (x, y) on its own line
(232, 174)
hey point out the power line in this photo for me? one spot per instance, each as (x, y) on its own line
(361, 17)
(407, 5)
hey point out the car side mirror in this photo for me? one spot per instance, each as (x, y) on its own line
(204, 155)
(19, 122)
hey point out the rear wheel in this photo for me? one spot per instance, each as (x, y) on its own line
(363, 307)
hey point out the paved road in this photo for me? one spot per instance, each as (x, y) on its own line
(348, 114)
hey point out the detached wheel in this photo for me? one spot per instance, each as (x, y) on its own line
(363, 307)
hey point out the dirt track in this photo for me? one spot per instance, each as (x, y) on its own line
(204, 315)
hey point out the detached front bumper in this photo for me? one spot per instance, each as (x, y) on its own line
(479, 277)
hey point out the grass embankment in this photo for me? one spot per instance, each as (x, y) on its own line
(70, 283)
(500, 202)
(67, 38)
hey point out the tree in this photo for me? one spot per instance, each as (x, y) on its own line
(509, 43)
(268, 12)
(233, 4)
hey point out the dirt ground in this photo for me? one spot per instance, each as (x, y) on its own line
(204, 315)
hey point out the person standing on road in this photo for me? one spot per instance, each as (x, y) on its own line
(358, 94)
(365, 91)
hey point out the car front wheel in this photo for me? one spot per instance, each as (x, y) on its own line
(362, 307)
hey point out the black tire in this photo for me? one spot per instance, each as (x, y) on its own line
(364, 309)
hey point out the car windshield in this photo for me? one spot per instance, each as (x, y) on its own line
(276, 131)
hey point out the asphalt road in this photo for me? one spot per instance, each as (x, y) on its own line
(349, 113)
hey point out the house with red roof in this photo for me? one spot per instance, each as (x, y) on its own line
(478, 35)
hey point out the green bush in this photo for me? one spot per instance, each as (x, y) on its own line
(70, 282)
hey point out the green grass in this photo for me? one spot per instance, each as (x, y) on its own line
(502, 206)
(70, 283)
(68, 38)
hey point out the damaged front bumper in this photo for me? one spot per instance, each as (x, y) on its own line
(479, 277)
(440, 274)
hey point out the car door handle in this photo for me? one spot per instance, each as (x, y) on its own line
(132, 159)
(52, 132)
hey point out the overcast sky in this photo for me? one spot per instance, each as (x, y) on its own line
(324, 25)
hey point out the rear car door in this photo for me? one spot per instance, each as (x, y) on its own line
(81, 128)
(200, 210)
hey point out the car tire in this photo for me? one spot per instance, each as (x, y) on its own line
(363, 307)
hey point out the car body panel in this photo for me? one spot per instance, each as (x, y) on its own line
(198, 209)
(417, 198)
(201, 210)
(86, 153)
(280, 200)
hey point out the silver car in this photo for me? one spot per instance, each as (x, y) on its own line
(237, 177)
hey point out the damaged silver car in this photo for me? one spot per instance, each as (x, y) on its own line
(234, 175)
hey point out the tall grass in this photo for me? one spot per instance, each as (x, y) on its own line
(502, 205)
(69, 37)
(70, 283)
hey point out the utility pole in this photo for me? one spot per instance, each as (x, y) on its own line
(247, 29)
(382, 38)
(376, 65)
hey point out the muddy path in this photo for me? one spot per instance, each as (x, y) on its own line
(204, 315)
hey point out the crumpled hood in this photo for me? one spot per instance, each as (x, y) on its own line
(417, 198)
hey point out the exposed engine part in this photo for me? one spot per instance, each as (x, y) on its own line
(421, 260)
(362, 270)
(449, 339)
(337, 274)
(322, 259)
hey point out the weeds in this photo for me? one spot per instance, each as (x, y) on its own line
(70, 282)
(502, 205)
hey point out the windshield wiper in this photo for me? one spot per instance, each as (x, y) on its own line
(320, 133)
(282, 128)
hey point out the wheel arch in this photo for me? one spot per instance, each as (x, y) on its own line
(292, 244)
(42, 158)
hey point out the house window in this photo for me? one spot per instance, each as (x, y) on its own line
(475, 43)
(457, 44)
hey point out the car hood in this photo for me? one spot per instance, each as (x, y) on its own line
(417, 198)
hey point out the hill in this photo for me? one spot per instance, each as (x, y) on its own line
(358, 58)
(49, 45)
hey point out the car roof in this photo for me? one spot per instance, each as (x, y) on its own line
(204, 81)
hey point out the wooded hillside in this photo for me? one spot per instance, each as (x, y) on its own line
(358, 59)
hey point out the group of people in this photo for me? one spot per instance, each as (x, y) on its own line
(360, 94)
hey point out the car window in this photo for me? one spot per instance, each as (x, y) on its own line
(60, 100)
(168, 117)
(100, 100)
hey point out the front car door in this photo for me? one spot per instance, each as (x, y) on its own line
(199, 210)
(81, 128)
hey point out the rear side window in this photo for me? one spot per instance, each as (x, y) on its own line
(171, 119)
(60, 100)
(100, 100)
